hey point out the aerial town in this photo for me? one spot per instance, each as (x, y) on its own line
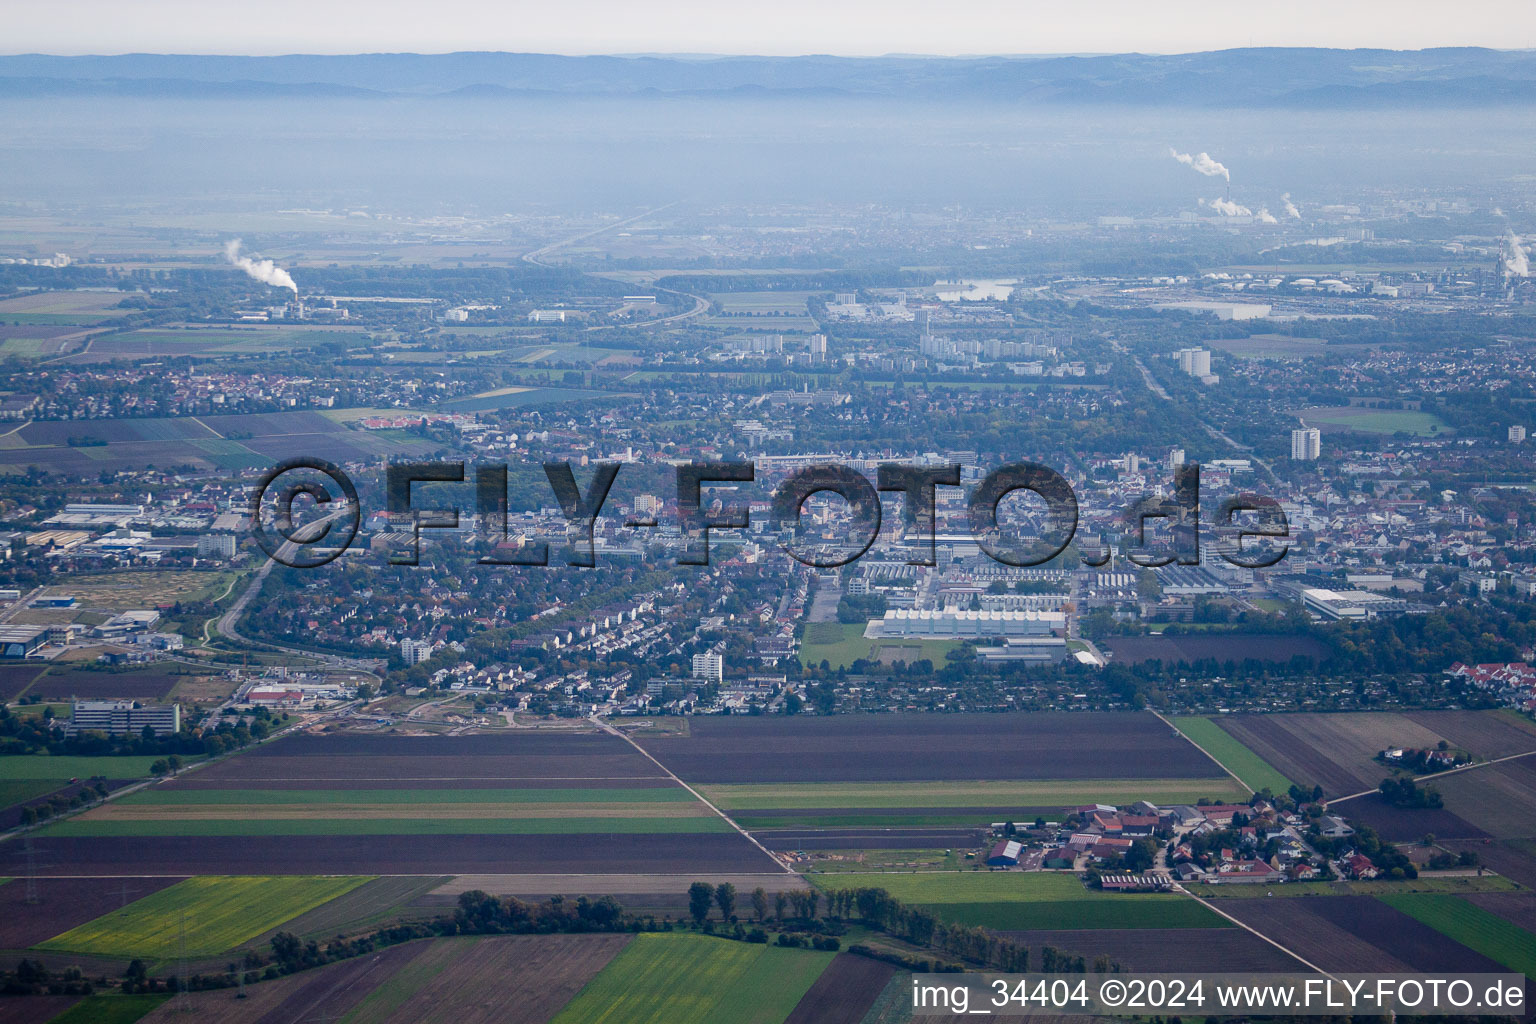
(417, 602)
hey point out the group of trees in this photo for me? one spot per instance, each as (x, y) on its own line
(1409, 794)
(38, 734)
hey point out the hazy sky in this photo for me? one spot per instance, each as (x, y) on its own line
(851, 27)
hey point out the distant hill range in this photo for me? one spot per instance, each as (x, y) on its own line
(1298, 78)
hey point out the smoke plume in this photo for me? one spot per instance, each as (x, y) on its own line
(1517, 261)
(1227, 208)
(1265, 217)
(264, 271)
(1290, 207)
(1203, 163)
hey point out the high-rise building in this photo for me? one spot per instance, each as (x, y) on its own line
(818, 348)
(1306, 443)
(415, 651)
(1517, 434)
(1175, 458)
(708, 666)
(1194, 361)
(216, 545)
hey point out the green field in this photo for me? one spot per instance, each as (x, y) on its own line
(694, 979)
(202, 916)
(1473, 927)
(26, 789)
(196, 797)
(838, 643)
(321, 826)
(1018, 901)
(1424, 883)
(393, 992)
(1376, 421)
(859, 797)
(114, 1009)
(1255, 772)
(41, 766)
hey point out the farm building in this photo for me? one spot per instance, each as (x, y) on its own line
(1005, 854)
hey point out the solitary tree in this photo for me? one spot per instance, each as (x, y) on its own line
(725, 899)
(700, 895)
(759, 904)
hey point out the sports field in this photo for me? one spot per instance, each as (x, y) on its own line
(1472, 926)
(1022, 901)
(1375, 421)
(1256, 772)
(202, 916)
(695, 979)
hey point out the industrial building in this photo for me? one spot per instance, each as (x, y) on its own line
(1350, 604)
(123, 717)
(21, 641)
(955, 623)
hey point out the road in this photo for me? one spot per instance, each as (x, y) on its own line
(226, 625)
(1436, 775)
(1162, 392)
(700, 303)
(1202, 750)
(621, 734)
(21, 603)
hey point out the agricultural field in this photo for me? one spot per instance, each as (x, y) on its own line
(872, 804)
(1023, 901)
(1487, 734)
(1335, 751)
(844, 992)
(65, 903)
(230, 441)
(202, 916)
(371, 904)
(94, 684)
(1221, 647)
(1164, 949)
(14, 679)
(1500, 799)
(921, 781)
(1473, 927)
(110, 1009)
(1255, 772)
(921, 748)
(323, 994)
(28, 779)
(501, 803)
(1358, 933)
(397, 812)
(695, 979)
(514, 979)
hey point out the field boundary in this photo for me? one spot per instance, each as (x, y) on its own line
(1207, 753)
(696, 794)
